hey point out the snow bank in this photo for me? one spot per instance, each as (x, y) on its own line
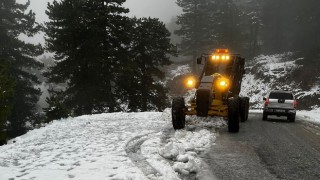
(313, 115)
(184, 148)
(175, 153)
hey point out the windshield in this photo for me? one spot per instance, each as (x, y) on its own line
(282, 95)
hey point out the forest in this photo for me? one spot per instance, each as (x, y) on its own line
(109, 62)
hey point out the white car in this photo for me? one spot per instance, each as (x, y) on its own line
(280, 103)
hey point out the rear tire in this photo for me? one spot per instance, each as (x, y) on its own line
(233, 115)
(291, 117)
(264, 116)
(244, 108)
(178, 116)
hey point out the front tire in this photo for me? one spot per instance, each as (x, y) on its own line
(178, 116)
(291, 117)
(244, 108)
(264, 116)
(233, 115)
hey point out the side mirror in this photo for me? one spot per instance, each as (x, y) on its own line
(264, 99)
(199, 60)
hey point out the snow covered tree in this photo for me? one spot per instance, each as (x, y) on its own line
(87, 37)
(149, 49)
(19, 57)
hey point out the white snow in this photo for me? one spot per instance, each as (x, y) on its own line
(180, 70)
(313, 115)
(265, 73)
(86, 147)
(136, 146)
(108, 146)
(184, 147)
(315, 90)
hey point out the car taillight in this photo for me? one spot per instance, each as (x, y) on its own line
(295, 103)
(266, 102)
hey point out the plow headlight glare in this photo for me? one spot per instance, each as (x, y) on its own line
(217, 57)
(190, 83)
(223, 83)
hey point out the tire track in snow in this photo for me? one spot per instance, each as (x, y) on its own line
(133, 150)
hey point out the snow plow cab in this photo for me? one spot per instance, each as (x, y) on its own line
(217, 91)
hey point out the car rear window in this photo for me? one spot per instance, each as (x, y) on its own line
(280, 95)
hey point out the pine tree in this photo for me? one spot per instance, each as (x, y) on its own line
(6, 95)
(227, 25)
(172, 26)
(208, 24)
(252, 27)
(88, 39)
(196, 27)
(14, 20)
(149, 50)
(278, 19)
(306, 30)
(56, 109)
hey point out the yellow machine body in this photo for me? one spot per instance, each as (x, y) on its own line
(217, 108)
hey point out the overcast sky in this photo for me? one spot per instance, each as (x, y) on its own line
(162, 9)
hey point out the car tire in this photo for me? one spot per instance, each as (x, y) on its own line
(264, 116)
(233, 115)
(291, 117)
(177, 112)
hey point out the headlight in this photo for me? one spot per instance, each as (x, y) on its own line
(223, 57)
(190, 82)
(214, 57)
(222, 84)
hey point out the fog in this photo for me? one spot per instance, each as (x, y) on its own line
(162, 9)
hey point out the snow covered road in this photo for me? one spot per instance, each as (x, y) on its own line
(138, 146)
(109, 146)
(272, 149)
